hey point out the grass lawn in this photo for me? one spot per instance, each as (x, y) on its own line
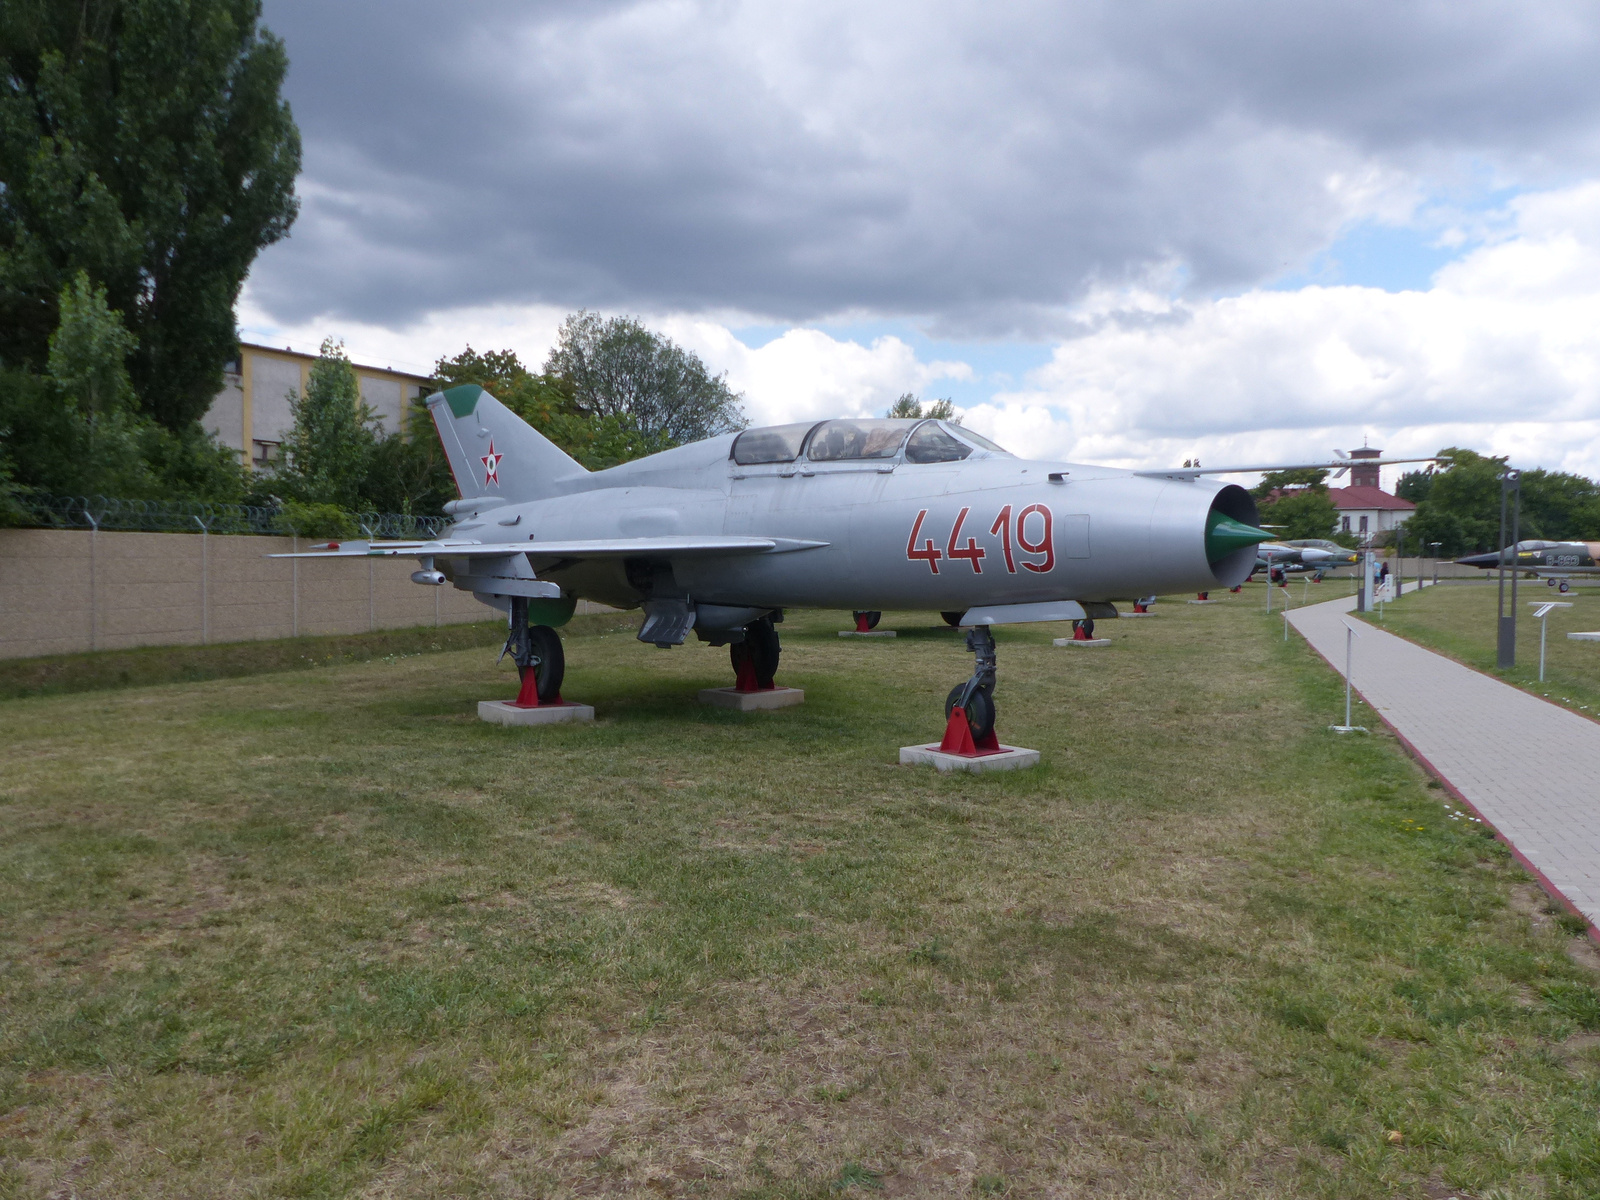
(55, 674)
(322, 933)
(1459, 620)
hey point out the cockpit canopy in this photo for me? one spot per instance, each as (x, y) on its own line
(877, 438)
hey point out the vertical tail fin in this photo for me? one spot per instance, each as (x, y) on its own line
(494, 452)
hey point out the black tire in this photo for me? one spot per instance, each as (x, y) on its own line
(953, 619)
(1088, 626)
(551, 666)
(761, 646)
(872, 618)
(980, 710)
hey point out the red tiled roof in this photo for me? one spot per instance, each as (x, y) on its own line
(1348, 498)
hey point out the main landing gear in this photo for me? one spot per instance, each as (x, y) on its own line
(969, 709)
(866, 622)
(755, 659)
(1083, 631)
(536, 649)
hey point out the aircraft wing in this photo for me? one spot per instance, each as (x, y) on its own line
(1190, 474)
(675, 545)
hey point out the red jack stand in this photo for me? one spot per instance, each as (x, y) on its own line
(528, 693)
(958, 737)
(1141, 608)
(861, 623)
(1237, 588)
(1203, 596)
(745, 678)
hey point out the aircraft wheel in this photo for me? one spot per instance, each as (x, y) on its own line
(1087, 625)
(980, 710)
(545, 643)
(1550, 583)
(760, 645)
(953, 619)
(1565, 586)
(872, 618)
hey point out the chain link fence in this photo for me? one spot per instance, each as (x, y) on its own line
(153, 516)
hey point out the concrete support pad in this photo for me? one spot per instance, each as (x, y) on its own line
(869, 633)
(1010, 758)
(1590, 636)
(1205, 602)
(1134, 614)
(1084, 642)
(503, 712)
(727, 697)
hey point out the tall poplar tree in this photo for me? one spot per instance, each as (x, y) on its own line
(145, 143)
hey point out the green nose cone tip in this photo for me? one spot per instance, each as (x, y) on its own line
(1224, 535)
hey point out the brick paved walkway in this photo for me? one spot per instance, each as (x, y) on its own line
(1532, 770)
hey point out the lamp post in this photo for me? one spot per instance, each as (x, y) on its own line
(1506, 621)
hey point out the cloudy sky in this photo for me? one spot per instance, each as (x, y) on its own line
(1128, 232)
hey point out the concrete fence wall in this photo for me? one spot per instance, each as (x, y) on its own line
(63, 591)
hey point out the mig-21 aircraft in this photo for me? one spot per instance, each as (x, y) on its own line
(1554, 562)
(1316, 555)
(719, 537)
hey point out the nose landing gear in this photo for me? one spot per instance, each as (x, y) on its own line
(969, 709)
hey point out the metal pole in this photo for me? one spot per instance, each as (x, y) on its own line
(372, 612)
(1516, 536)
(1286, 624)
(94, 606)
(1349, 641)
(294, 585)
(1544, 624)
(205, 582)
(1504, 650)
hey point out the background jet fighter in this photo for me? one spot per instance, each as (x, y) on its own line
(1554, 562)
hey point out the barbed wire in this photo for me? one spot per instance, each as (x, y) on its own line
(153, 516)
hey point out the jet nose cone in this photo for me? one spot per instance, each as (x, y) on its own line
(1224, 535)
(1490, 559)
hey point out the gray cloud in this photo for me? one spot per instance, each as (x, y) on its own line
(974, 166)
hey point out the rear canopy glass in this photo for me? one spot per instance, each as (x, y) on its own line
(838, 441)
(776, 444)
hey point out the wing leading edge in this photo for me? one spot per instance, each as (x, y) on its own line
(704, 545)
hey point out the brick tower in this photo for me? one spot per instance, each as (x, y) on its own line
(1364, 474)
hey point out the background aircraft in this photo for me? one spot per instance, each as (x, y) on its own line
(1554, 562)
(718, 537)
(1304, 554)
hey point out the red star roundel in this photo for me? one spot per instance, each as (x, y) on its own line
(491, 465)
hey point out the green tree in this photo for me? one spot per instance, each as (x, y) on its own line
(328, 454)
(1414, 486)
(1559, 505)
(549, 404)
(88, 365)
(1462, 507)
(618, 368)
(1305, 477)
(144, 142)
(409, 472)
(909, 406)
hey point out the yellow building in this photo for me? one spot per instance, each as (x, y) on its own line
(251, 412)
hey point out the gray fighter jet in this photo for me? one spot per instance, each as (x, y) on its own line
(1317, 555)
(719, 537)
(1554, 562)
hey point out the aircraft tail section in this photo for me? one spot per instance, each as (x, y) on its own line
(494, 452)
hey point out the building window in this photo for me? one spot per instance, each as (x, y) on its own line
(1363, 525)
(1344, 523)
(264, 454)
(231, 367)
